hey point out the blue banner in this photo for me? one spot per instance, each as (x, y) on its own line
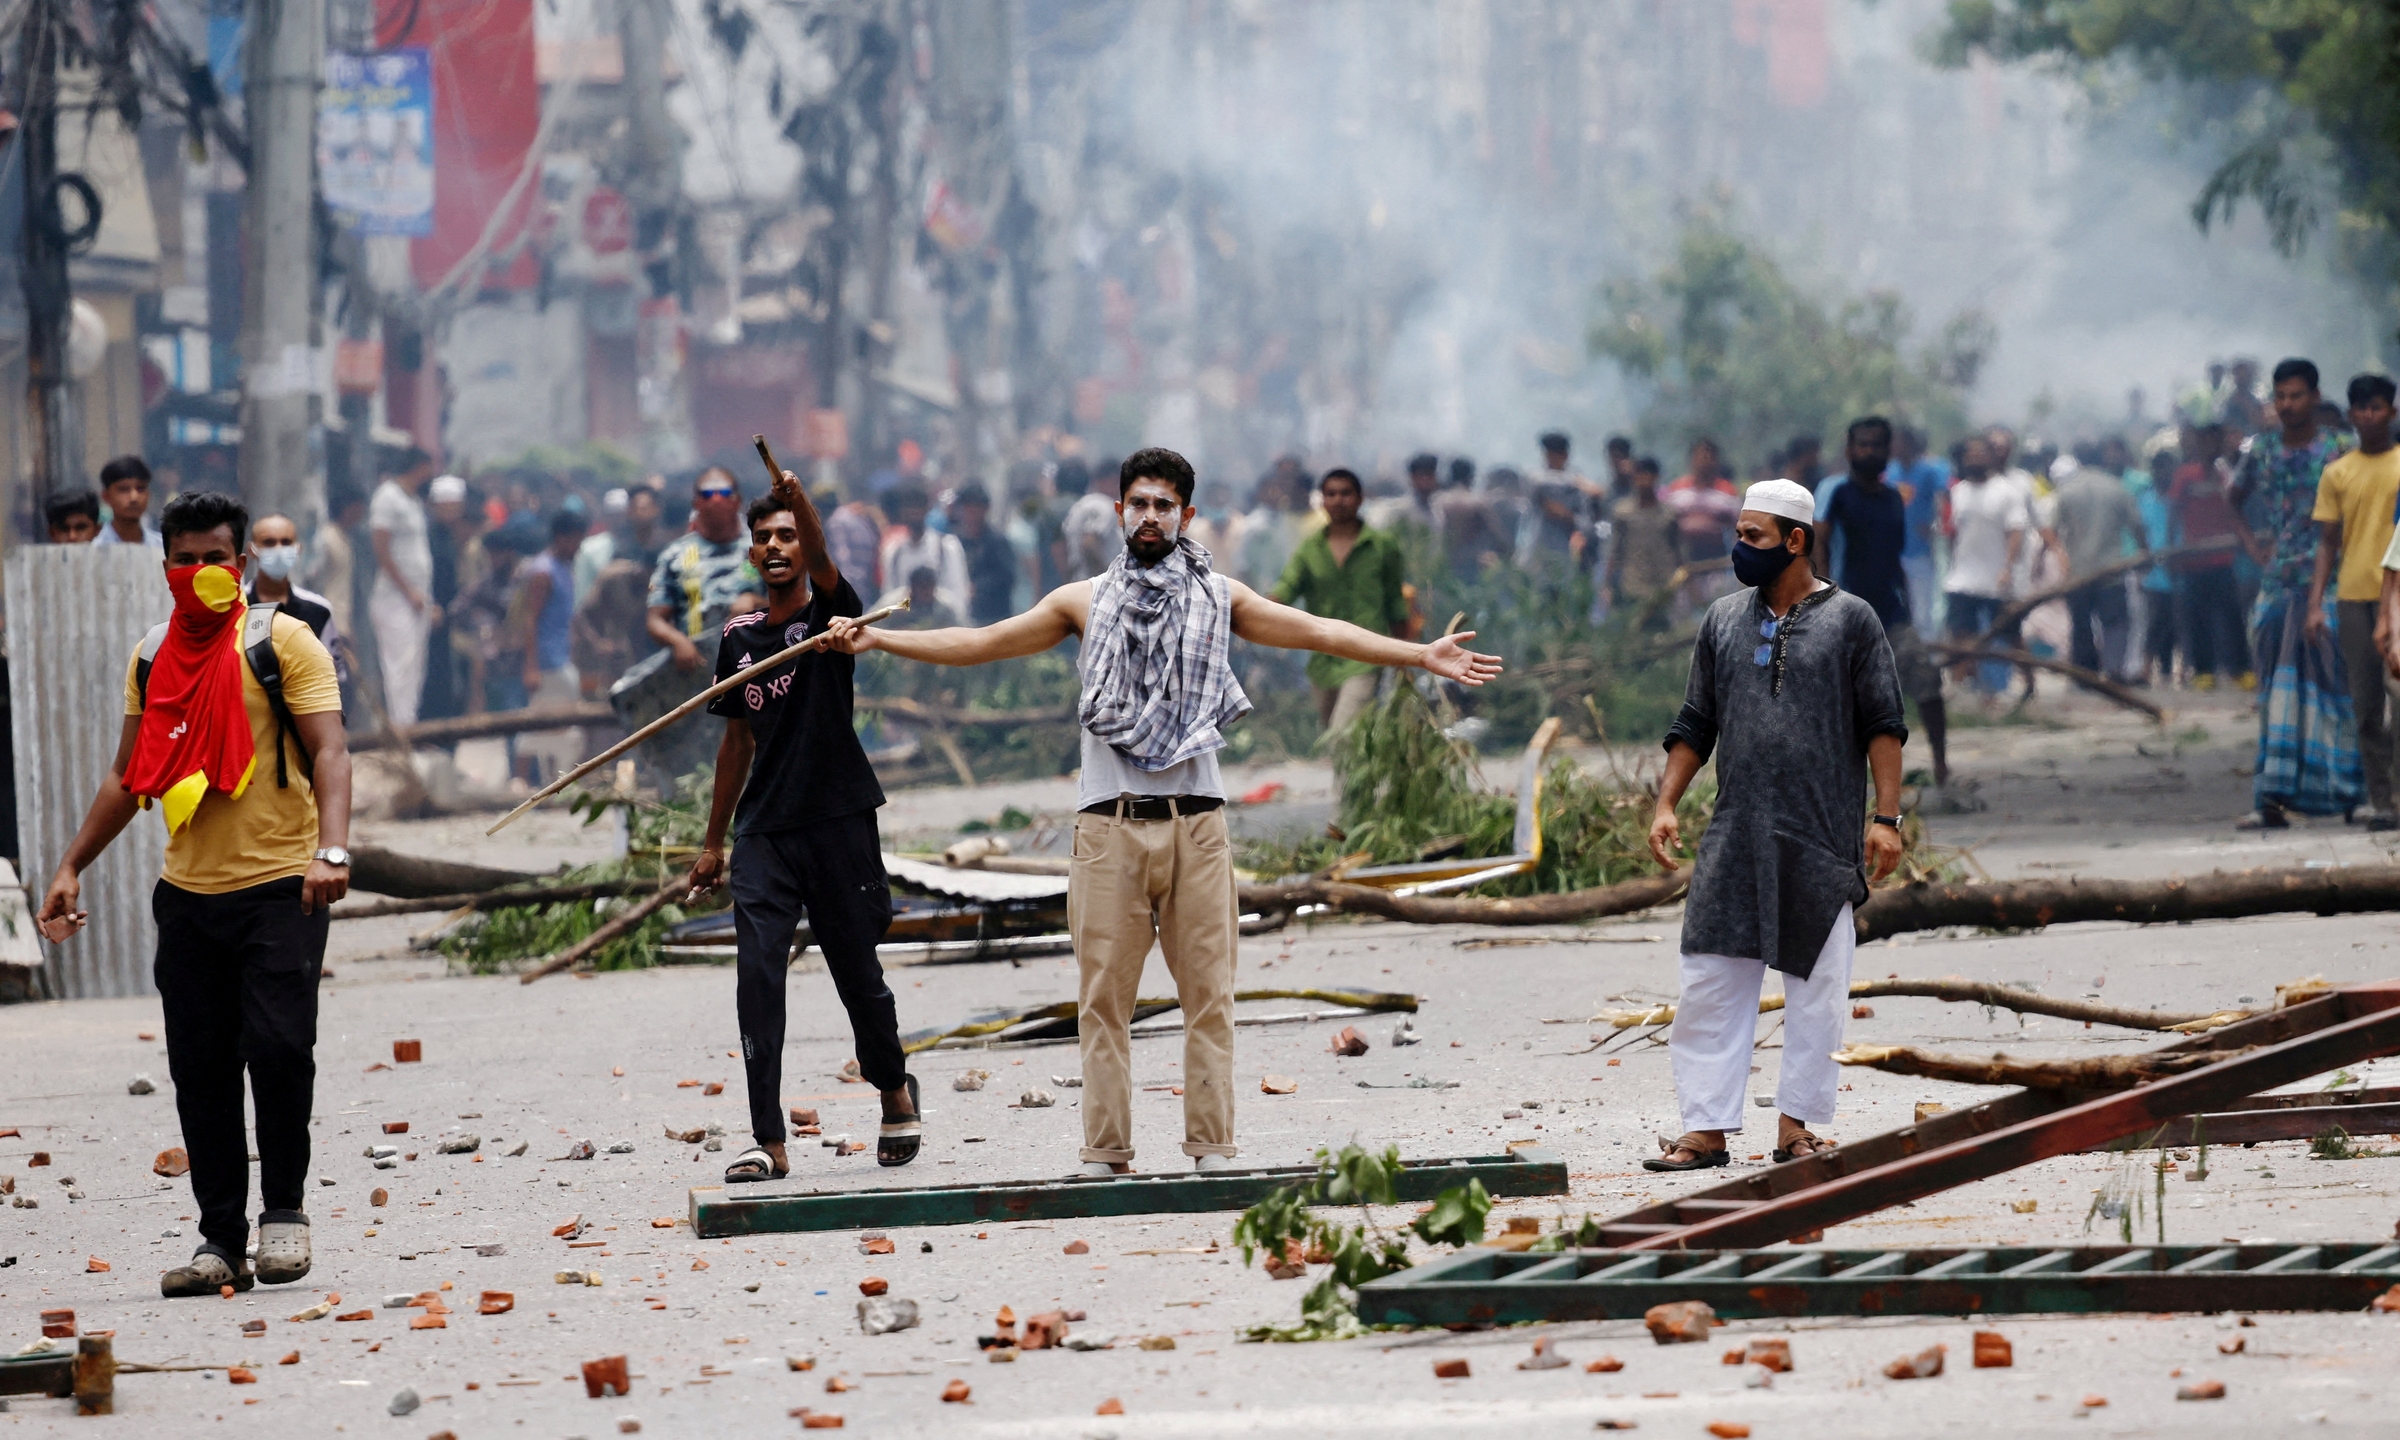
(375, 142)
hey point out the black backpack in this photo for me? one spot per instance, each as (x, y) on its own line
(258, 647)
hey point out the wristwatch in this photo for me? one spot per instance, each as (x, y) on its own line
(1891, 820)
(333, 855)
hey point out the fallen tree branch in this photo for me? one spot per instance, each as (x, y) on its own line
(2092, 680)
(2016, 610)
(492, 899)
(484, 726)
(1063, 1014)
(2031, 904)
(388, 872)
(1622, 898)
(2099, 1072)
(1973, 992)
(621, 923)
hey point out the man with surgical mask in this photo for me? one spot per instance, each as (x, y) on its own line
(274, 560)
(1793, 689)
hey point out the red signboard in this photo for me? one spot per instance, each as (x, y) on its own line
(607, 222)
(487, 106)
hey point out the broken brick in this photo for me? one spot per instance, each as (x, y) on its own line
(407, 1052)
(395, 1127)
(2233, 1344)
(379, 1196)
(172, 1163)
(1605, 1365)
(1992, 1351)
(819, 1420)
(687, 1084)
(1862, 1012)
(617, 1070)
(873, 1285)
(605, 1377)
(2388, 1302)
(876, 1245)
(1076, 1247)
(1046, 1331)
(254, 1327)
(1684, 1322)
(713, 1087)
(1728, 1429)
(1450, 1370)
(2095, 1402)
(803, 1117)
(800, 1362)
(569, 1230)
(1278, 1085)
(956, 1393)
(1923, 1365)
(94, 1265)
(241, 1375)
(663, 1222)
(835, 1385)
(357, 1315)
(692, 1136)
(1543, 1357)
(429, 1321)
(58, 1324)
(291, 1359)
(1348, 1042)
(1730, 1357)
(2201, 1390)
(495, 1302)
(37, 1160)
(1111, 1406)
(1774, 1352)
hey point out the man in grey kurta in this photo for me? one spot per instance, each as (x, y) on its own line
(1794, 691)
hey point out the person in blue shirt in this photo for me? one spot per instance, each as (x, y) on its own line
(1921, 480)
(1870, 519)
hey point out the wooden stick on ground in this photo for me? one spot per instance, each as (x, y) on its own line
(621, 923)
(1973, 992)
(490, 899)
(2093, 680)
(2103, 1072)
(1622, 898)
(684, 711)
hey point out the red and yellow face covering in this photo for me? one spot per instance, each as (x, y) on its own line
(195, 731)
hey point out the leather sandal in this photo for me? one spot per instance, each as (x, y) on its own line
(1704, 1157)
(898, 1141)
(1791, 1150)
(752, 1166)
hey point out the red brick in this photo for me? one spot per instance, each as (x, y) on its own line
(873, 1285)
(1923, 1365)
(956, 1393)
(407, 1052)
(1684, 1322)
(1992, 1351)
(1450, 1370)
(606, 1376)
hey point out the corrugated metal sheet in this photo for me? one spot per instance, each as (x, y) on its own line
(75, 614)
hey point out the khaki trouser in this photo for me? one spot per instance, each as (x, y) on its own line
(1134, 883)
(1338, 705)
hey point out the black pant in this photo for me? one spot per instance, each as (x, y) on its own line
(831, 871)
(237, 979)
(2212, 622)
(2096, 621)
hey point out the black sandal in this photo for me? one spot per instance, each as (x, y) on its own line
(898, 1141)
(752, 1166)
(1703, 1158)
(1817, 1145)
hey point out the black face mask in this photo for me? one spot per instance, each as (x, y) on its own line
(1757, 566)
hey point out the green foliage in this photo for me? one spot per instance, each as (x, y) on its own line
(1739, 349)
(1401, 784)
(2280, 81)
(1286, 1228)
(597, 463)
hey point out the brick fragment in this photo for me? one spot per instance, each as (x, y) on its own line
(379, 1196)
(241, 1375)
(58, 1324)
(1450, 1370)
(1728, 1429)
(692, 1135)
(395, 1127)
(1076, 1247)
(713, 1087)
(2389, 1301)
(568, 1231)
(2201, 1390)
(956, 1393)
(819, 1420)
(407, 1052)
(429, 1322)
(803, 1117)
(1278, 1085)
(1683, 1322)
(172, 1163)
(1605, 1365)
(291, 1359)
(1046, 1331)
(1774, 1352)
(1992, 1351)
(605, 1377)
(495, 1302)
(1348, 1042)
(356, 1315)
(1111, 1406)
(876, 1245)
(94, 1265)
(873, 1285)
(1923, 1365)
(2095, 1402)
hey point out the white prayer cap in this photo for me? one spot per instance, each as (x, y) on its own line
(613, 502)
(2064, 466)
(1787, 498)
(446, 487)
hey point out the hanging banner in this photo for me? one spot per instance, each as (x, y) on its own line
(375, 154)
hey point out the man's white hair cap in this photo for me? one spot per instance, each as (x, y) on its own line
(1787, 498)
(446, 487)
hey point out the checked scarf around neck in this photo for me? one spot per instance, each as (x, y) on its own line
(1157, 683)
(195, 731)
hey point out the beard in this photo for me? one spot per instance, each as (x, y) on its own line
(1149, 547)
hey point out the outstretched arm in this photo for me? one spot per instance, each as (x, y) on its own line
(1057, 615)
(815, 556)
(1263, 622)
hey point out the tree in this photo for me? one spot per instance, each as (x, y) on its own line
(2297, 87)
(1738, 350)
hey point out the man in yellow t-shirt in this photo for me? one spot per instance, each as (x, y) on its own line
(242, 907)
(2355, 500)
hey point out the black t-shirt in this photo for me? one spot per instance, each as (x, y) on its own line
(1874, 527)
(809, 765)
(991, 577)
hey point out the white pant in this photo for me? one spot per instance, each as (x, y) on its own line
(1716, 1023)
(400, 642)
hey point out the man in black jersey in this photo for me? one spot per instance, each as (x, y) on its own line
(805, 841)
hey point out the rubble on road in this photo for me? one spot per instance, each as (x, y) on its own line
(1684, 1322)
(1923, 1365)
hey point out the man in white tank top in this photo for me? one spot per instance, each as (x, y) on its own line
(1152, 862)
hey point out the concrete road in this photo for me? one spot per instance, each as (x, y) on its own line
(709, 1327)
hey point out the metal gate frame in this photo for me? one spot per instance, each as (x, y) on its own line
(1492, 1287)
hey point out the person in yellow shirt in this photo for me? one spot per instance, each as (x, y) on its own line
(2355, 500)
(255, 789)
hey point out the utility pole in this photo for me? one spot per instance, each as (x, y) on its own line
(56, 421)
(284, 64)
(654, 187)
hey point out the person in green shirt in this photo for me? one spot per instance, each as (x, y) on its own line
(1345, 571)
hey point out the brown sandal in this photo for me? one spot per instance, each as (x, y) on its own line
(1817, 1145)
(1703, 1156)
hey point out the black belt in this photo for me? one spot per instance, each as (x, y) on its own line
(1155, 807)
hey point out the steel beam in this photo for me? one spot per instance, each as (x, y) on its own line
(720, 1212)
